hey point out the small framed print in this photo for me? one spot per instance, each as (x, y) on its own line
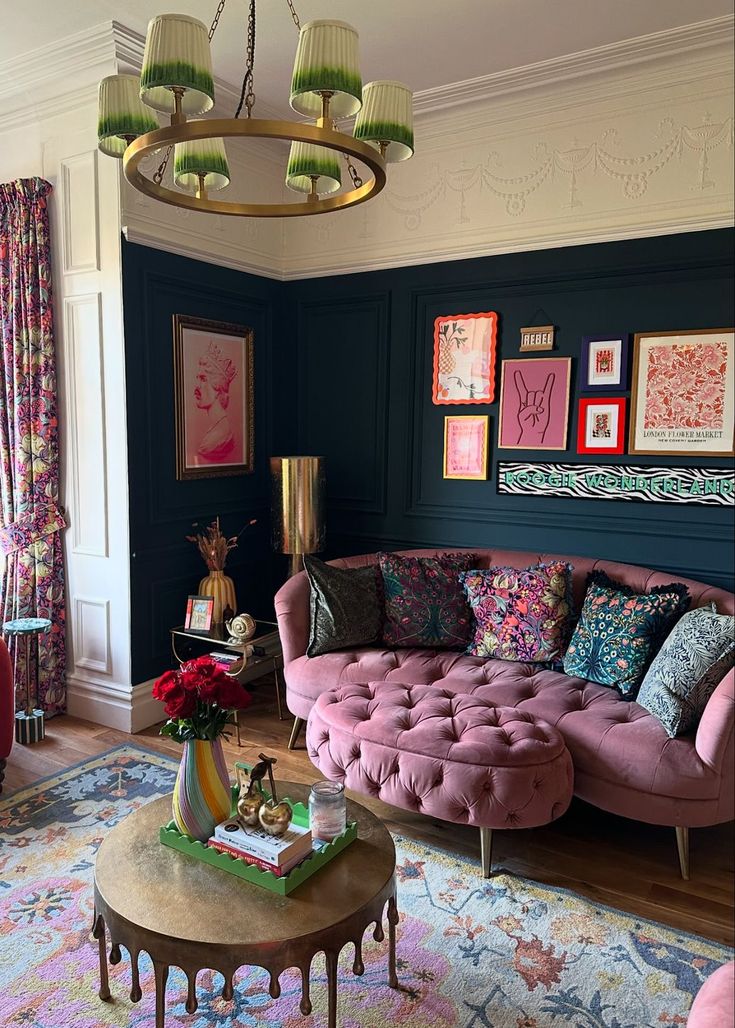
(199, 613)
(534, 403)
(601, 425)
(604, 362)
(464, 358)
(465, 446)
(683, 396)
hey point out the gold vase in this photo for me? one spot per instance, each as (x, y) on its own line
(219, 585)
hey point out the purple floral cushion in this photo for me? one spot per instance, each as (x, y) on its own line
(520, 615)
(425, 604)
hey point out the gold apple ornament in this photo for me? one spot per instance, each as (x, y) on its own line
(250, 796)
(274, 817)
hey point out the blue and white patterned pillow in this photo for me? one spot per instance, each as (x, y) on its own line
(690, 665)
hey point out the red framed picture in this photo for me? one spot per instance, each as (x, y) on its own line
(601, 425)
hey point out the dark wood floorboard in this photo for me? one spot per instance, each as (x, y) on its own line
(609, 859)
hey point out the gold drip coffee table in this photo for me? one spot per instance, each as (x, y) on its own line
(187, 914)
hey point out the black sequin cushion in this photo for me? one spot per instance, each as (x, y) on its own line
(346, 606)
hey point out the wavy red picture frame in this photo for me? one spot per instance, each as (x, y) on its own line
(486, 356)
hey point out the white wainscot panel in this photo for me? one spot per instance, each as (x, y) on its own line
(92, 633)
(86, 412)
(80, 217)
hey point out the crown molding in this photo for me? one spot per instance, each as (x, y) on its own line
(657, 47)
(224, 253)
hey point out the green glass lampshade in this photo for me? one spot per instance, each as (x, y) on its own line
(121, 115)
(306, 160)
(177, 55)
(387, 117)
(327, 61)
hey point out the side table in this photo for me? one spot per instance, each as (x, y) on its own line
(187, 914)
(267, 659)
(29, 722)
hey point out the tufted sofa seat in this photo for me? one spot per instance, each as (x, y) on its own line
(624, 761)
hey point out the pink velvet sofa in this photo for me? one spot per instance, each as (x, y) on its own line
(623, 760)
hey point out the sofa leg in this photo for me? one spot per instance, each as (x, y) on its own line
(486, 851)
(298, 724)
(3, 762)
(682, 844)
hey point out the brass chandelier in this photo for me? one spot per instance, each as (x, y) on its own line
(176, 80)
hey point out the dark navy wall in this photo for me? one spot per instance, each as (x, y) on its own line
(343, 368)
(365, 346)
(164, 567)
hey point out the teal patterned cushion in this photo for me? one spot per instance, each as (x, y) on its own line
(425, 604)
(346, 606)
(689, 667)
(619, 632)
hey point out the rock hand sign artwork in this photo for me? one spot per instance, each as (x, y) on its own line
(534, 404)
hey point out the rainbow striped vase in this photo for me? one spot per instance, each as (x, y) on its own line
(202, 796)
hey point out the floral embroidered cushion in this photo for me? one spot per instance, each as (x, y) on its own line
(425, 604)
(620, 631)
(346, 606)
(520, 615)
(690, 665)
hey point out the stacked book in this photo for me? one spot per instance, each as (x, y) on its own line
(270, 853)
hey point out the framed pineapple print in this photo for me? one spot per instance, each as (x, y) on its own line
(464, 358)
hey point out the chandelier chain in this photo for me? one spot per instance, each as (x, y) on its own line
(161, 170)
(294, 15)
(215, 20)
(356, 180)
(247, 95)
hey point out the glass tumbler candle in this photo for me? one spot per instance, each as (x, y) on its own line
(327, 810)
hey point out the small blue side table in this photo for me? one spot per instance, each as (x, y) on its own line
(29, 723)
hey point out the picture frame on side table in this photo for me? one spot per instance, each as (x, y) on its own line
(601, 425)
(214, 398)
(464, 358)
(534, 403)
(199, 614)
(466, 446)
(683, 393)
(604, 362)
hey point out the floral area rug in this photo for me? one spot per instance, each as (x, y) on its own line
(504, 953)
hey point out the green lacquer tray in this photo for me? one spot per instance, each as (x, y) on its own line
(169, 835)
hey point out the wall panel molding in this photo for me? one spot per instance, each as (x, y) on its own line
(92, 634)
(84, 377)
(80, 222)
(373, 312)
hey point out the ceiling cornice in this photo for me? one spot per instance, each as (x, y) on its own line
(29, 84)
(659, 47)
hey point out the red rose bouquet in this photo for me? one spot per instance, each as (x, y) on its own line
(198, 699)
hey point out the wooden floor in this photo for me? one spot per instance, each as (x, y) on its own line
(621, 863)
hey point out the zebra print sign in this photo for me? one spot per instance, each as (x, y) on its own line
(617, 482)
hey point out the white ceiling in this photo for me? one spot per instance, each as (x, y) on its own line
(425, 43)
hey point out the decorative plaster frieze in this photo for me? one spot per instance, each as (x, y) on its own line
(602, 156)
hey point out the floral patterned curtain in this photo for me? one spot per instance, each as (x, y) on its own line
(32, 582)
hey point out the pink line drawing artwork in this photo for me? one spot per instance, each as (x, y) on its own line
(534, 403)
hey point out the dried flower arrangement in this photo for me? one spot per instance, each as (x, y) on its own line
(214, 546)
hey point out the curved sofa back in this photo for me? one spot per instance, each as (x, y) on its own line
(292, 599)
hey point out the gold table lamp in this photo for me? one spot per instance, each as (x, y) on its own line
(297, 507)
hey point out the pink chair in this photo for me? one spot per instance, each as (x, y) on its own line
(714, 1004)
(7, 711)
